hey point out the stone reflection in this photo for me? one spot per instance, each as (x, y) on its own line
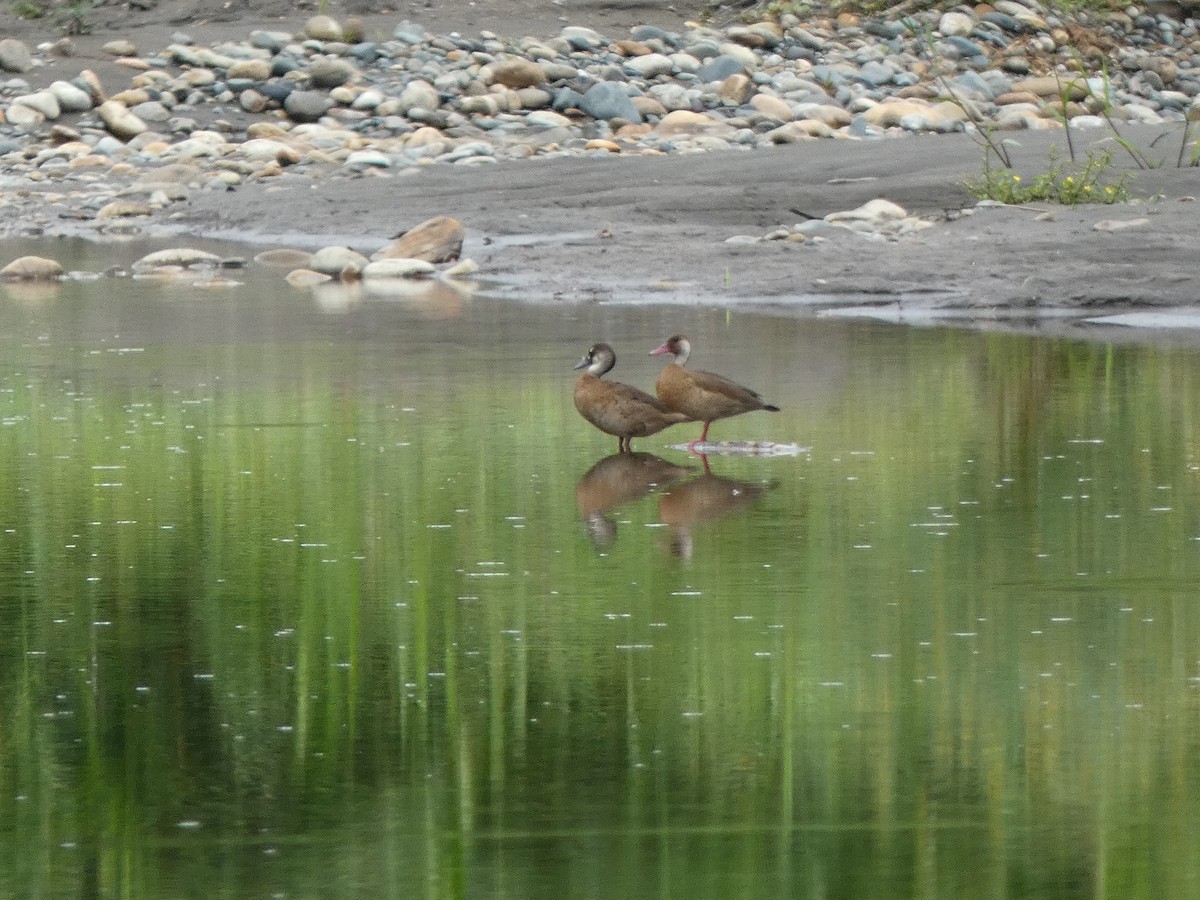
(703, 499)
(616, 480)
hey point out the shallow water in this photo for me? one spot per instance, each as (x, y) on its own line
(338, 596)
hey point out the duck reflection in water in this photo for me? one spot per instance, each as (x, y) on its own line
(617, 480)
(625, 477)
(703, 499)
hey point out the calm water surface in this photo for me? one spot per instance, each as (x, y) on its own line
(338, 596)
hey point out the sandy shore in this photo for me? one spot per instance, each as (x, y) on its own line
(656, 229)
(541, 228)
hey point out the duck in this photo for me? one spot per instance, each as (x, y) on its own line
(618, 409)
(702, 396)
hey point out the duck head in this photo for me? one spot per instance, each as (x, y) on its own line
(677, 346)
(598, 360)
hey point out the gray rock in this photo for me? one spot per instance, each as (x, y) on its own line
(608, 100)
(273, 41)
(582, 38)
(876, 73)
(324, 72)
(15, 56)
(306, 106)
(151, 111)
(410, 33)
(720, 67)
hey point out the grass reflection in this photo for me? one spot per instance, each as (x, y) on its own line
(313, 626)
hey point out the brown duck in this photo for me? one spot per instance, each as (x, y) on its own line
(702, 396)
(618, 409)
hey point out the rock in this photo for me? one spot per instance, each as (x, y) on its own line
(651, 65)
(735, 89)
(607, 100)
(43, 101)
(323, 28)
(120, 121)
(419, 95)
(306, 106)
(253, 69)
(581, 38)
(397, 267)
(15, 56)
(772, 107)
(368, 159)
(267, 150)
(151, 111)
(71, 98)
(410, 33)
(184, 257)
(325, 72)
(888, 114)
(22, 116)
(32, 268)
(120, 209)
(683, 121)
(518, 73)
(801, 130)
(435, 240)
(252, 101)
(544, 118)
(337, 261)
(873, 211)
(120, 47)
(956, 23)
(1054, 87)
(462, 269)
(720, 68)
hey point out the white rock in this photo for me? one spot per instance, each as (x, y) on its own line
(398, 268)
(873, 211)
(363, 159)
(43, 101)
(462, 269)
(32, 268)
(71, 98)
(650, 65)
(337, 261)
(956, 23)
(186, 257)
(24, 116)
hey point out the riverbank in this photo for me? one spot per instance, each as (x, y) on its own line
(707, 204)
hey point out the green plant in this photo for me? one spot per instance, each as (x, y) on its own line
(72, 16)
(27, 9)
(1068, 184)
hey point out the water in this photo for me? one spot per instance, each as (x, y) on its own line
(313, 599)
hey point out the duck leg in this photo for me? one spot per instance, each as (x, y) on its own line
(700, 440)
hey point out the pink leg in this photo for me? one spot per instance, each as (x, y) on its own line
(700, 440)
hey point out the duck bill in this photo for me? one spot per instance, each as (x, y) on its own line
(660, 351)
(582, 364)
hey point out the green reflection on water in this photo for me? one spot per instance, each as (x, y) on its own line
(322, 606)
